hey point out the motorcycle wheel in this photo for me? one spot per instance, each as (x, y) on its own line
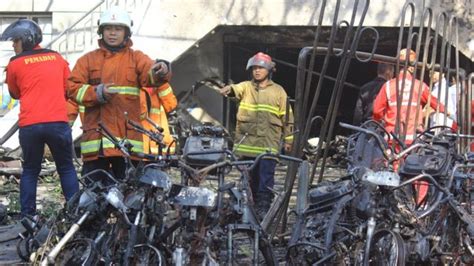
(144, 254)
(78, 252)
(387, 248)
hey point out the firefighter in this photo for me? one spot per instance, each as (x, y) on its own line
(385, 104)
(156, 103)
(385, 108)
(260, 124)
(37, 77)
(107, 83)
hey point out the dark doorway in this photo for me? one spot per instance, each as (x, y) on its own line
(284, 45)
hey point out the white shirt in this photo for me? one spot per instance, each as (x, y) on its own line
(451, 104)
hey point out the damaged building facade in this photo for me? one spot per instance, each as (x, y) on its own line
(368, 183)
(207, 39)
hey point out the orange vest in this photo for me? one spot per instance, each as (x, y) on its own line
(385, 105)
(156, 103)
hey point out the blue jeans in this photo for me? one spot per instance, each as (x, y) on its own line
(58, 137)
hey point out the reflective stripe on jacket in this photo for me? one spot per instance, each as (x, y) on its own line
(156, 103)
(261, 118)
(125, 71)
(385, 105)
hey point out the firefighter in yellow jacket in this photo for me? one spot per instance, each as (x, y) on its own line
(261, 124)
(155, 103)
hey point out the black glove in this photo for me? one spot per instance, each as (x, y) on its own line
(161, 69)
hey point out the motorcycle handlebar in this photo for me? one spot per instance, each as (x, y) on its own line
(199, 173)
(104, 130)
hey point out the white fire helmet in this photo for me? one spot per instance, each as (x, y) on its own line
(115, 16)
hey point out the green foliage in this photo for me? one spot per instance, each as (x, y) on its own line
(49, 196)
(52, 199)
(13, 202)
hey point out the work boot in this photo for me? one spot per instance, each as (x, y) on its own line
(263, 203)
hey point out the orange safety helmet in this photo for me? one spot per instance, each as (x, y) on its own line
(261, 59)
(411, 56)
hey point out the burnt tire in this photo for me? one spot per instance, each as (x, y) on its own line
(144, 254)
(78, 252)
(387, 248)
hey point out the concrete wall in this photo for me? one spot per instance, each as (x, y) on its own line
(166, 28)
(183, 22)
(173, 29)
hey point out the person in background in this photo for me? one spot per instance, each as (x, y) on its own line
(386, 105)
(155, 104)
(368, 92)
(439, 91)
(261, 125)
(37, 77)
(107, 83)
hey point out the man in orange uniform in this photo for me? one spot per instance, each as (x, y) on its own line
(107, 83)
(385, 104)
(385, 107)
(155, 103)
(38, 77)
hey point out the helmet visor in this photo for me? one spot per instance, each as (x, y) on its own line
(11, 34)
(269, 65)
